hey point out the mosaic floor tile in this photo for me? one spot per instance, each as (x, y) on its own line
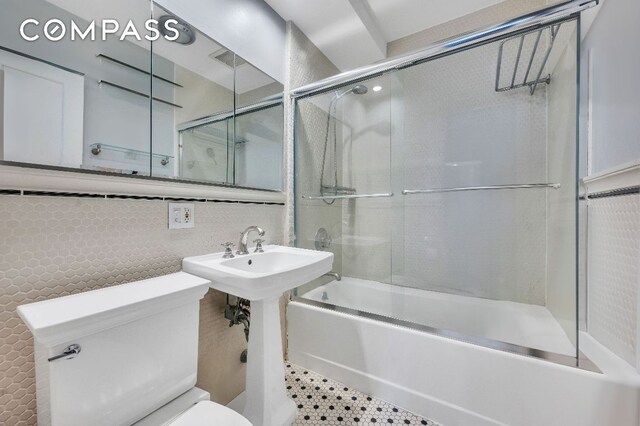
(322, 401)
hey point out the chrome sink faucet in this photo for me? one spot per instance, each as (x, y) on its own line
(244, 237)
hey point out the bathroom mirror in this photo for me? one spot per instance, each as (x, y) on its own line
(209, 144)
(125, 87)
(259, 129)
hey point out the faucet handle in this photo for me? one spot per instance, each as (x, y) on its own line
(228, 250)
(259, 248)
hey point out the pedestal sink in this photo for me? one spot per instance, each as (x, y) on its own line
(263, 278)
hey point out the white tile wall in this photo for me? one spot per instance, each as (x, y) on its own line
(614, 273)
(306, 64)
(459, 132)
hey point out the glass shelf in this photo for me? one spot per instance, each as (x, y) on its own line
(97, 148)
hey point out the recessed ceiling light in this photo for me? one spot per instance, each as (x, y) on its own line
(377, 88)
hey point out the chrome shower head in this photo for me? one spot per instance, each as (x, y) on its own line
(360, 89)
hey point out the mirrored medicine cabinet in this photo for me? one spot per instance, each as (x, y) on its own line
(178, 107)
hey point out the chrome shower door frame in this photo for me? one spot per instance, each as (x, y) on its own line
(550, 16)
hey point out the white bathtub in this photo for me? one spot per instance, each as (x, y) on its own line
(453, 382)
(525, 325)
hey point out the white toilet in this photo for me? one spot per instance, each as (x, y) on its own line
(137, 359)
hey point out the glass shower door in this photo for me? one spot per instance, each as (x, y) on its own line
(489, 192)
(344, 198)
(447, 192)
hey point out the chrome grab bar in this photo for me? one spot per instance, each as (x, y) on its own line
(346, 197)
(479, 188)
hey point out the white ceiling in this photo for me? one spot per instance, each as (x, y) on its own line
(194, 57)
(400, 18)
(333, 26)
(353, 33)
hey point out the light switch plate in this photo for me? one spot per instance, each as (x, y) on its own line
(182, 215)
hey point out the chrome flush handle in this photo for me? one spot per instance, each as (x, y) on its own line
(69, 353)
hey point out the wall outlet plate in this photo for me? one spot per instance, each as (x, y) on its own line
(182, 215)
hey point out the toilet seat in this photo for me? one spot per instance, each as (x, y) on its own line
(208, 413)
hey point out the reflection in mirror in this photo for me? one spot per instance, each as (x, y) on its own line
(254, 160)
(61, 102)
(259, 129)
(203, 152)
(205, 88)
(201, 130)
(252, 85)
(88, 101)
(258, 148)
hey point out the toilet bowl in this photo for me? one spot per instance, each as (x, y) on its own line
(123, 355)
(193, 409)
(207, 413)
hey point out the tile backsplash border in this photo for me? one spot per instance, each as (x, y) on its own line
(19, 192)
(26, 177)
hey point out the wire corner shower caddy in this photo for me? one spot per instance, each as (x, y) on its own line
(527, 59)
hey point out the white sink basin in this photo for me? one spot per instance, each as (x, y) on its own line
(262, 278)
(259, 276)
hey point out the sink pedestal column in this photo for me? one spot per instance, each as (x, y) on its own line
(267, 403)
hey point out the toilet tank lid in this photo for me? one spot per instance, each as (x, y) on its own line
(62, 319)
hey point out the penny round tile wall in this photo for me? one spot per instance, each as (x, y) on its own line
(55, 246)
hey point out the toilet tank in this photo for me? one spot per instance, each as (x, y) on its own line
(139, 350)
